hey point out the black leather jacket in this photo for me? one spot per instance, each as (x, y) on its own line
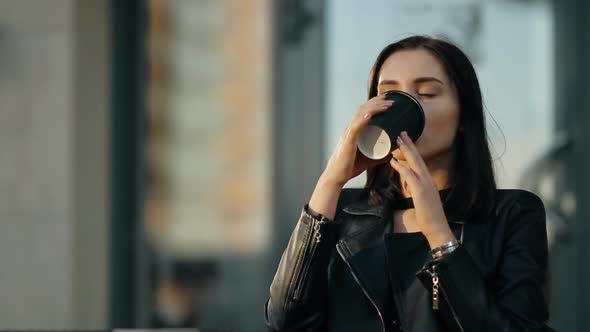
(494, 281)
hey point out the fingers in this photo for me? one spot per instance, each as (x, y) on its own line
(411, 154)
(373, 106)
(378, 97)
(365, 113)
(405, 172)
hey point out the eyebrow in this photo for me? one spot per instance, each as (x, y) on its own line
(417, 80)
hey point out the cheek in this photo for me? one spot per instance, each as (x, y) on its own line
(442, 121)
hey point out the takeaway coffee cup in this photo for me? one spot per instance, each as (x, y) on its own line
(377, 139)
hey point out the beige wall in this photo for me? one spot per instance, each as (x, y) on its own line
(53, 163)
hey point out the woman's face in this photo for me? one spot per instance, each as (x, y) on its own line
(420, 74)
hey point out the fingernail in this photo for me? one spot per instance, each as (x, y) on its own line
(367, 115)
(399, 141)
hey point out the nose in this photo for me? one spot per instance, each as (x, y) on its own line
(410, 91)
(407, 88)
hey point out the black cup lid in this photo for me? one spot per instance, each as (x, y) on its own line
(404, 102)
(377, 139)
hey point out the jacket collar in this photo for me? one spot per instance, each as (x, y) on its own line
(361, 206)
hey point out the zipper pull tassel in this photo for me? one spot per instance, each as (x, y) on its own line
(434, 289)
(316, 227)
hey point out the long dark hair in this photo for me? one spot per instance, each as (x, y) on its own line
(472, 178)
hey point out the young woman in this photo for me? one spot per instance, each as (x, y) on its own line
(430, 243)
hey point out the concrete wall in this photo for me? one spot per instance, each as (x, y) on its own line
(53, 163)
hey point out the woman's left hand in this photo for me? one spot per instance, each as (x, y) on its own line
(416, 179)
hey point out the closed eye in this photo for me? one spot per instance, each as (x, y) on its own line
(427, 95)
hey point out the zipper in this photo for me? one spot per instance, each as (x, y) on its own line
(316, 230)
(434, 289)
(313, 239)
(339, 249)
(436, 285)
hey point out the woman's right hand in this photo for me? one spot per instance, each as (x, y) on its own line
(346, 160)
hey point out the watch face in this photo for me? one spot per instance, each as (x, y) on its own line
(378, 137)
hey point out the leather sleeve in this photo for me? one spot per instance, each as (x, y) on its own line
(514, 299)
(298, 291)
